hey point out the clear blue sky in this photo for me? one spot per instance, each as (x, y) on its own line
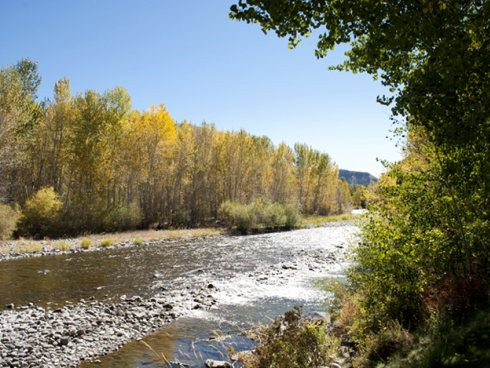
(203, 67)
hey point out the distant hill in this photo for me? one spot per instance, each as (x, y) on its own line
(357, 177)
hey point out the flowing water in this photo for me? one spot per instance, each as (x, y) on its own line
(254, 278)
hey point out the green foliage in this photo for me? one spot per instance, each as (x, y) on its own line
(293, 217)
(380, 346)
(41, 213)
(234, 214)
(275, 216)
(450, 41)
(8, 221)
(257, 215)
(445, 342)
(123, 218)
(423, 241)
(426, 245)
(29, 76)
(291, 342)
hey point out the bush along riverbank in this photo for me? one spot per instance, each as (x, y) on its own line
(335, 339)
(258, 216)
(299, 341)
(262, 216)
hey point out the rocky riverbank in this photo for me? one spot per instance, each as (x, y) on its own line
(38, 248)
(23, 248)
(36, 337)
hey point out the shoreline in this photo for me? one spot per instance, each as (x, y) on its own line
(17, 249)
(33, 336)
(26, 248)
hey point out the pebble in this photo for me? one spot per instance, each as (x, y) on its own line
(32, 336)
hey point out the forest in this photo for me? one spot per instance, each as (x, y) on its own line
(89, 163)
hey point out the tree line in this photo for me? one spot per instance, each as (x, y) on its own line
(96, 164)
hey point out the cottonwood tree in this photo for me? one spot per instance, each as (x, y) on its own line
(114, 168)
(429, 233)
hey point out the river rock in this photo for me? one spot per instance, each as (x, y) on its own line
(210, 363)
(318, 317)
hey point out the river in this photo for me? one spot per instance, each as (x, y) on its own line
(208, 291)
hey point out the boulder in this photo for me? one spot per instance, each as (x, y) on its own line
(210, 363)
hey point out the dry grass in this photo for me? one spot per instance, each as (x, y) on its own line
(144, 236)
(30, 247)
(138, 237)
(317, 221)
(138, 241)
(350, 309)
(62, 245)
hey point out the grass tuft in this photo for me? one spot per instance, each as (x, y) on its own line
(106, 243)
(62, 245)
(86, 243)
(138, 241)
(318, 221)
(27, 248)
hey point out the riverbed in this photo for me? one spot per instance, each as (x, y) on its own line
(142, 306)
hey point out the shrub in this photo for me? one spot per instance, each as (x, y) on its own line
(292, 216)
(106, 243)
(258, 214)
(234, 214)
(86, 243)
(275, 216)
(123, 218)
(380, 346)
(41, 213)
(8, 221)
(292, 342)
